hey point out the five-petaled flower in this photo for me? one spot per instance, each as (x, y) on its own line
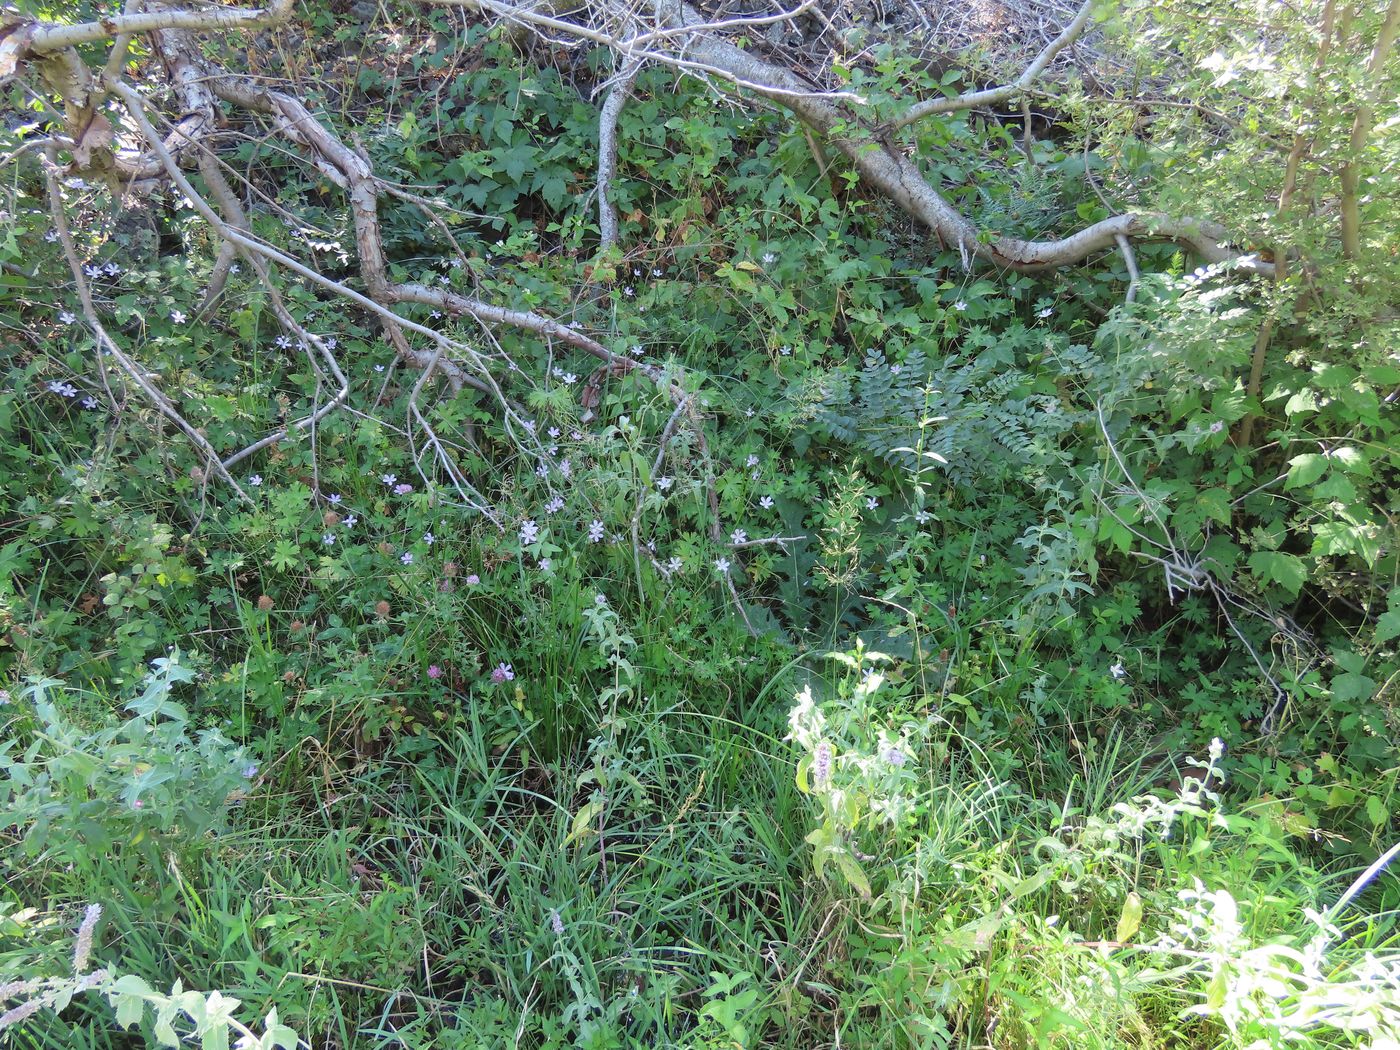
(766, 502)
(389, 479)
(406, 557)
(255, 480)
(529, 532)
(722, 565)
(178, 316)
(595, 531)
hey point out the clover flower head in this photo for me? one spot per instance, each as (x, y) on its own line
(403, 489)
(503, 672)
(472, 579)
(434, 672)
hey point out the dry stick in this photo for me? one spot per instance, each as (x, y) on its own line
(128, 366)
(47, 37)
(995, 96)
(607, 153)
(1130, 258)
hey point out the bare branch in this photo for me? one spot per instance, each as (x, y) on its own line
(607, 153)
(46, 38)
(996, 96)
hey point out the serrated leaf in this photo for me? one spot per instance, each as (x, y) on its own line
(1305, 469)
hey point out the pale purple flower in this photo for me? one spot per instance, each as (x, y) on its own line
(555, 922)
(89, 402)
(1217, 426)
(542, 471)
(503, 673)
(821, 765)
(553, 432)
(255, 480)
(429, 539)
(67, 317)
(722, 565)
(529, 532)
(664, 484)
(351, 522)
(738, 536)
(333, 498)
(595, 531)
(566, 467)
(546, 565)
(894, 756)
(328, 539)
(403, 490)
(752, 461)
(434, 672)
(600, 599)
(922, 516)
(555, 505)
(871, 503)
(472, 580)
(389, 479)
(250, 771)
(406, 557)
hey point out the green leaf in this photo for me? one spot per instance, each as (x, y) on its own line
(1287, 570)
(1130, 918)
(1388, 626)
(1305, 469)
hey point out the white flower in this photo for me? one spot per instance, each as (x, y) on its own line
(568, 379)
(328, 538)
(379, 368)
(282, 342)
(674, 564)
(629, 291)
(922, 516)
(406, 557)
(665, 483)
(255, 480)
(786, 351)
(766, 502)
(769, 258)
(1118, 671)
(553, 432)
(656, 272)
(722, 565)
(871, 503)
(89, 402)
(1217, 749)
(429, 539)
(351, 522)
(748, 413)
(960, 305)
(752, 461)
(529, 532)
(389, 479)
(595, 531)
(542, 471)
(333, 498)
(235, 268)
(67, 317)
(178, 316)
(738, 536)
(1044, 313)
(545, 564)
(435, 314)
